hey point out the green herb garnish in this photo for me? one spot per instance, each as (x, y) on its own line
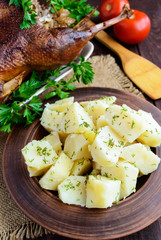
(13, 111)
(29, 13)
(78, 9)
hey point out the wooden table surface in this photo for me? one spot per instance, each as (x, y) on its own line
(150, 48)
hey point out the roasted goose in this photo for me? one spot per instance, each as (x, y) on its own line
(39, 47)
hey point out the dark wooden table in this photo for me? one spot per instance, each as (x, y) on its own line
(150, 48)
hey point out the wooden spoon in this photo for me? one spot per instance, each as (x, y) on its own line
(145, 74)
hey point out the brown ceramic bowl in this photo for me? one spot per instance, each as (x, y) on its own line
(44, 207)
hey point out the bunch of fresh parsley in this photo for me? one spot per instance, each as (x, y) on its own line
(78, 9)
(17, 112)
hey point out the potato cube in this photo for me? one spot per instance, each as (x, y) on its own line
(81, 167)
(89, 135)
(101, 122)
(152, 134)
(96, 169)
(125, 121)
(52, 114)
(126, 173)
(76, 146)
(141, 157)
(106, 147)
(95, 172)
(61, 105)
(54, 140)
(96, 108)
(106, 100)
(62, 136)
(96, 166)
(101, 192)
(58, 172)
(73, 190)
(76, 120)
(51, 120)
(39, 156)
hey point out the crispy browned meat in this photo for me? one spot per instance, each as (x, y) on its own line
(36, 48)
(33, 48)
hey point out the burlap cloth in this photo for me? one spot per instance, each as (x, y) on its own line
(13, 223)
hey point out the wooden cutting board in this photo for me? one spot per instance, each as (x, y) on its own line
(145, 74)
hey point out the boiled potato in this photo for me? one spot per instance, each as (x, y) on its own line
(52, 114)
(125, 121)
(39, 156)
(126, 173)
(61, 105)
(96, 169)
(62, 136)
(58, 172)
(73, 190)
(76, 120)
(96, 108)
(95, 172)
(51, 120)
(96, 165)
(81, 167)
(76, 146)
(54, 140)
(141, 157)
(152, 134)
(101, 122)
(102, 192)
(106, 100)
(106, 147)
(128, 143)
(89, 135)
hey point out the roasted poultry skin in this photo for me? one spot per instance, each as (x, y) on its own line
(35, 48)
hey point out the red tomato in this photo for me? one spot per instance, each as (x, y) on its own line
(133, 30)
(111, 8)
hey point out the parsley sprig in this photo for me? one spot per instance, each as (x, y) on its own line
(11, 113)
(29, 13)
(83, 72)
(78, 9)
(15, 112)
